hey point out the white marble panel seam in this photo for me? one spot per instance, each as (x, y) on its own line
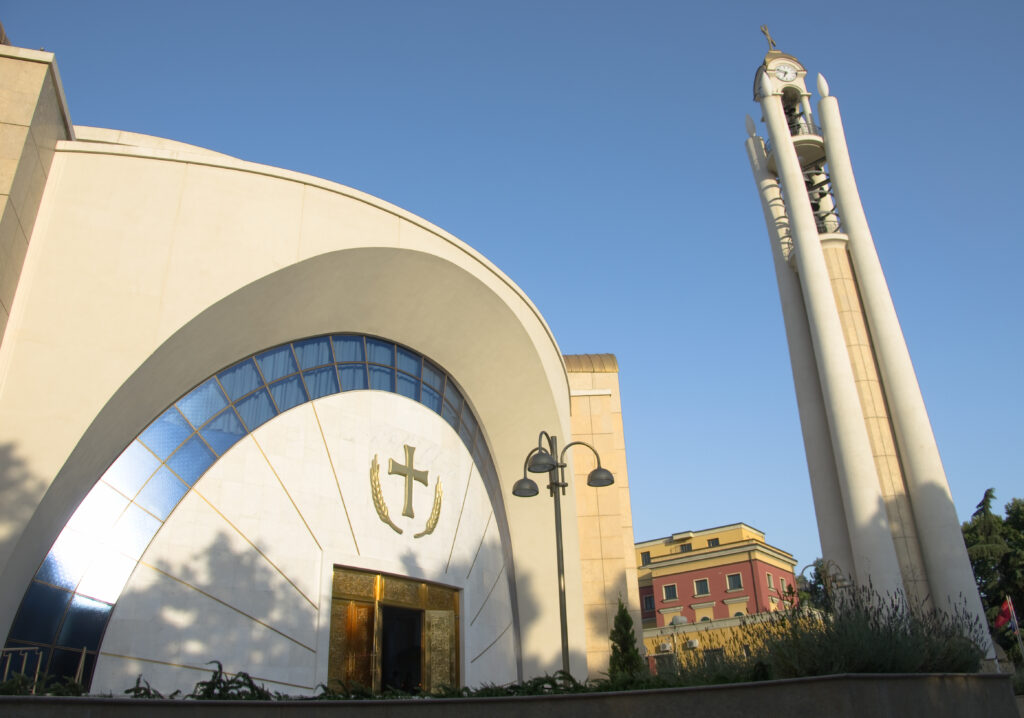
(458, 523)
(480, 547)
(337, 481)
(491, 644)
(256, 548)
(488, 596)
(286, 493)
(237, 610)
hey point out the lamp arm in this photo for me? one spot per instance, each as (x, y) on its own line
(526, 461)
(561, 457)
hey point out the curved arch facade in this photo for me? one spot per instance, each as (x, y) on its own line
(154, 266)
(135, 268)
(68, 605)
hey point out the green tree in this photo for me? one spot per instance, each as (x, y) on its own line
(995, 546)
(983, 535)
(625, 662)
(812, 591)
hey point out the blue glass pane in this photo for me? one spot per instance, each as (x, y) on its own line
(107, 575)
(469, 420)
(131, 469)
(313, 352)
(466, 434)
(223, 431)
(409, 362)
(407, 386)
(452, 395)
(68, 559)
(450, 416)
(84, 624)
(256, 410)
(352, 377)
(431, 398)
(432, 376)
(288, 393)
(162, 493)
(133, 532)
(40, 613)
(165, 434)
(277, 363)
(240, 379)
(191, 460)
(202, 402)
(98, 511)
(64, 664)
(382, 379)
(321, 382)
(348, 347)
(380, 352)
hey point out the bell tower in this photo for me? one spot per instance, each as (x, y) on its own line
(883, 505)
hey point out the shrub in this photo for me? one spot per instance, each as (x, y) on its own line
(866, 633)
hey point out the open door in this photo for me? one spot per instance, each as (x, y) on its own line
(392, 632)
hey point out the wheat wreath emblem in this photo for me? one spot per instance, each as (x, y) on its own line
(382, 508)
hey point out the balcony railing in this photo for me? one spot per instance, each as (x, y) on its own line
(796, 129)
(21, 661)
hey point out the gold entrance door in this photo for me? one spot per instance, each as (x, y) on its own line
(389, 631)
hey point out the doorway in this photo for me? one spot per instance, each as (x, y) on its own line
(392, 632)
(401, 654)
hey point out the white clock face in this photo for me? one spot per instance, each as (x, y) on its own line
(786, 73)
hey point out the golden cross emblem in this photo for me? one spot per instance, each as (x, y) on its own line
(409, 474)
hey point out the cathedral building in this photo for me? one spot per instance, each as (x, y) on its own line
(252, 416)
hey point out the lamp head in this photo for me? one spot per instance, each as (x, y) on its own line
(600, 477)
(525, 488)
(542, 462)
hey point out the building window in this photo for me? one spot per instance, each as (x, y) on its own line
(771, 583)
(704, 619)
(645, 558)
(669, 591)
(712, 542)
(683, 548)
(738, 614)
(734, 581)
(782, 584)
(648, 603)
(701, 587)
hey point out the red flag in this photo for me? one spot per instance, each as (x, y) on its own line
(1004, 614)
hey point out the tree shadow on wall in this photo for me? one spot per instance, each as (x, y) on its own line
(215, 604)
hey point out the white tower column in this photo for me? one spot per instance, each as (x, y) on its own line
(821, 462)
(942, 546)
(874, 556)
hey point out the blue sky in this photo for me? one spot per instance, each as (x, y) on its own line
(594, 151)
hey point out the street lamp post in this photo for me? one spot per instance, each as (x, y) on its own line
(542, 460)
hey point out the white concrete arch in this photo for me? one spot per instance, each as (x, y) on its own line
(151, 267)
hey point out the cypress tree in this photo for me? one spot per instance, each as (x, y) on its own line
(625, 661)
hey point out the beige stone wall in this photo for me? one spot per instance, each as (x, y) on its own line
(605, 518)
(32, 120)
(877, 420)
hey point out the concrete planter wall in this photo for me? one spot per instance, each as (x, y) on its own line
(853, 695)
